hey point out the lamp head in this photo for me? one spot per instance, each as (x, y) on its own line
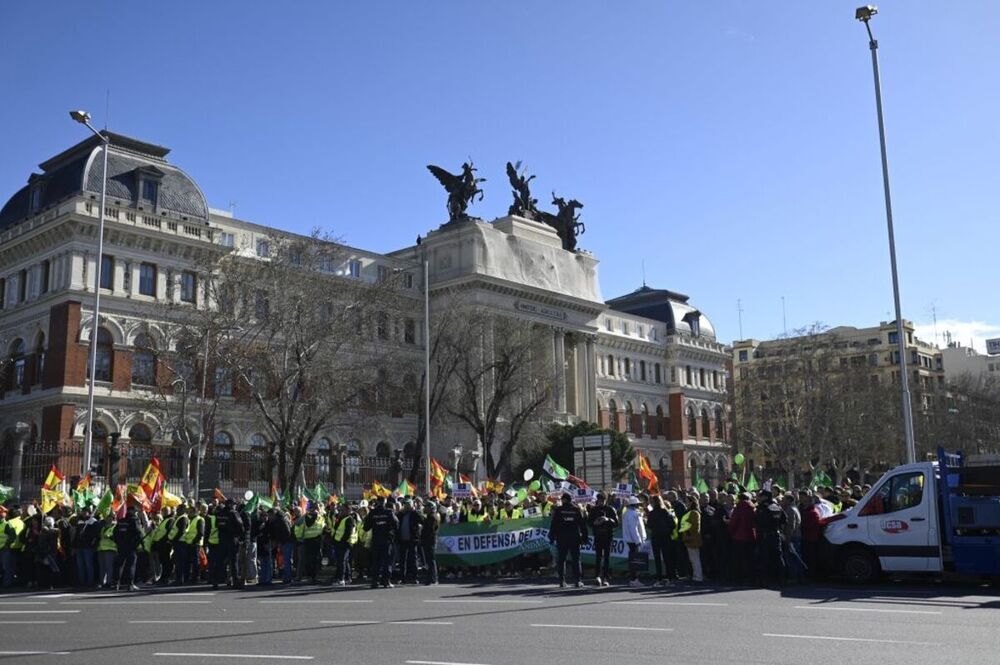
(81, 117)
(865, 13)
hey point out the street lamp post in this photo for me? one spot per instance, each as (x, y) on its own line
(864, 14)
(456, 452)
(83, 118)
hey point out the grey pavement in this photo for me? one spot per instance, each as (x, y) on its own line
(499, 622)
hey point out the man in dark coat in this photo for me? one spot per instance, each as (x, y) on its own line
(383, 525)
(128, 535)
(567, 531)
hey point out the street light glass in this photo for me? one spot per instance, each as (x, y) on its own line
(80, 116)
(865, 13)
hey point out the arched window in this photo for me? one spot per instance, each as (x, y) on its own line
(613, 415)
(354, 448)
(223, 454)
(257, 441)
(40, 358)
(628, 417)
(383, 450)
(643, 419)
(323, 450)
(659, 421)
(223, 440)
(100, 431)
(720, 425)
(706, 424)
(408, 449)
(139, 433)
(692, 422)
(17, 363)
(143, 364)
(105, 355)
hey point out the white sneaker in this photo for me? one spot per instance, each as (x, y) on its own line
(635, 584)
(598, 582)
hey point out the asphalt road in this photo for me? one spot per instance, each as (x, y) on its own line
(497, 623)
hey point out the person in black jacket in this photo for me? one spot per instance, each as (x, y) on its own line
(661, 523)
(602, 519)
(231, 531)
(279, 528)
(567, 531)
(383, 525)
(86, 534)
(428, 540)
(127, 536)
(410, 522)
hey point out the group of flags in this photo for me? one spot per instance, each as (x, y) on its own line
(149, 494)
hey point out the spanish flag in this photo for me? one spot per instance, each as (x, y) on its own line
(53, 480)
(83, 483)
(51, 499)
(647, 474)
(151, 484)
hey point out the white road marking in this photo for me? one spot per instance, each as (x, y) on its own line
(422, 623)
(437, 662)
(22, 602)
(136, 602)
(500, 600)
(564, 625)
(847, 639)
(39, 611)
(191, 621)
(29, 623)
(229, 655)
(349, 623)
(312, 600)
(34, 653)
(862, 609)
(668, 602)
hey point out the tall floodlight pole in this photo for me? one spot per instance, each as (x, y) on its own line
(83, 118)
(427, 378)
(864, 14)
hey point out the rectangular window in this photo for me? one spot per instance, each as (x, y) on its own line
(263, 248)
(36, 199)
(354, 268)
(638, 331)
(326, 263)
(624, 327)
(628, 367)
(149, 190)
(46, 271)
(3, 293)
(893, 338)
(147, 279)
(688, 376)
(408, 280)
(107, 272)
(611, 365)
(410, 331)
(223, 386)
(382, 274)
(642, 370)
(744, 356)
(656, 372)
(227, 239)
(608, 325)
(22, 286)
(189, 285)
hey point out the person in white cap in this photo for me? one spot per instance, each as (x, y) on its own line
(634, 534)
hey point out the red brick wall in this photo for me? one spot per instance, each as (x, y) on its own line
(66, 363)
(57, 422)
(677, 420)
(121, 370)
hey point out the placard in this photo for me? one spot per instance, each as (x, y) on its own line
(462, 490)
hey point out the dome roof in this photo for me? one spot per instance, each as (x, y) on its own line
(669, 307)
(78, 170)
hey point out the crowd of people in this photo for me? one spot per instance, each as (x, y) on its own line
(726, 535)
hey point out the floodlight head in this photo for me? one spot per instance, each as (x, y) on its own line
(81, 117)
(865, 13)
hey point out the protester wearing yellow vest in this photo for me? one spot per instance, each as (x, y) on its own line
(345, 536)
(9, 532)
(106, 553)
(310, 533)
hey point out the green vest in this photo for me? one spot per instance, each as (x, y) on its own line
(3, 533)
(191, 533)
(299, 529)
(174, 528)
(18, 525)
(160, 532)
(338, 532)
(213, 531)
(107, 543)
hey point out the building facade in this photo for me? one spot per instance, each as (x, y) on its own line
(647, 363)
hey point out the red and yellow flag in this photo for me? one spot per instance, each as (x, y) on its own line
(53, 480)
(646, 473)
(83, 483)
(151, 484)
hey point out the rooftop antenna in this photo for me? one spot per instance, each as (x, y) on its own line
(232, 208)
(934, 315)
(739, 311)
(107, 108)
(644, 272)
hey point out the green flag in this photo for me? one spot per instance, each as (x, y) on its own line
(308, 493)
(820, 478)
(251, 505)
(320, 492)
(5, 493)
(552, 469)
(752, 484)
(104, 506)
(265, 502)
(701, 485)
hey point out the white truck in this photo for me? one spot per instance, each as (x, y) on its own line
(927, 517)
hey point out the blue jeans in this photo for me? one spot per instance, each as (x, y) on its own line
(408, 561)
(342, 555)
(7, 565)
(182, 559)
(266, 565)
(85, 567)
(287, 553)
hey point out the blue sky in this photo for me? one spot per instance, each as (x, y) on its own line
(729, 146)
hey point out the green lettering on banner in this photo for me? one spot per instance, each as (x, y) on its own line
(483, 544)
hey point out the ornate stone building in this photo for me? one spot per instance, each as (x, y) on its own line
(646, 363)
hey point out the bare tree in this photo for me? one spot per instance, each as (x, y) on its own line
(503, 382)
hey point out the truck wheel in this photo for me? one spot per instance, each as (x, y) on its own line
(860, 566)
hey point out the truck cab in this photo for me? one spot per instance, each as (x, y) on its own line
(927, 517)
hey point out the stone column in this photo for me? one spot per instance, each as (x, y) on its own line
(118, 281)
(591, 392)
(21, 433)
(560, 368)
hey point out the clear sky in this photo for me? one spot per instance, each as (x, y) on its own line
(730, 146)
